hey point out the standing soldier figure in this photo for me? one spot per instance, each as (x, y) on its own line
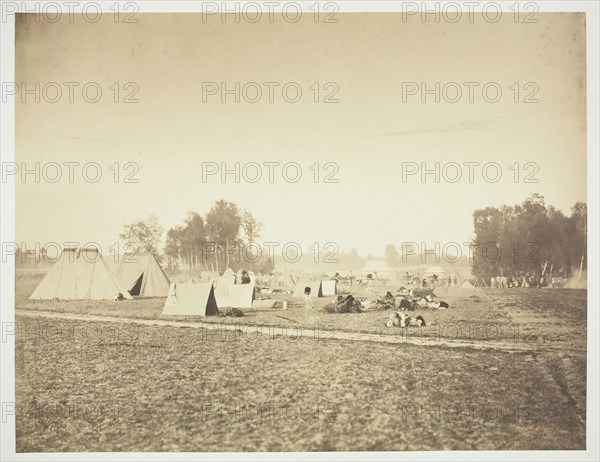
(308, 301)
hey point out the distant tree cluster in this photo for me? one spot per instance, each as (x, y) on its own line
(225, 237)
(530, 239)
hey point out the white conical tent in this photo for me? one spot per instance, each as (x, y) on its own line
(191, 300)
(142, 275)
(80, 274)
(379, 269)
(376, 266)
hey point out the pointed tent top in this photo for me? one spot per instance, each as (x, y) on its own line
(376, 265)
(228, 273)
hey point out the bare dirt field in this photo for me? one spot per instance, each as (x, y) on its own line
(110, 386)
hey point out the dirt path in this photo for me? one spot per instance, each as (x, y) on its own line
(404, 335)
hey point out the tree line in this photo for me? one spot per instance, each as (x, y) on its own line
(530, 239)
(225, 237)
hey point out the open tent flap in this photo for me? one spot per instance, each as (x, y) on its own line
(129, 269)
(189, 299)
(155, 283)
(137, 286)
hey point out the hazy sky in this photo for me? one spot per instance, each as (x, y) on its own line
(368, 134)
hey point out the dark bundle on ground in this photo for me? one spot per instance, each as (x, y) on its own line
(346, 304)
(233, 313)
(406, 305)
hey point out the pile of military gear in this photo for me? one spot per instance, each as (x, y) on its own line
(387, 302)
(347, 304)
(232, 313)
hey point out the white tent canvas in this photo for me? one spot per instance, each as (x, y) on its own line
(380, 270)
(80, 274)
(376, 266)
(228, 277)
(328, 288)
(394, 278)
(228, 273)
(234, 295)
(188, 299)
(315, 288)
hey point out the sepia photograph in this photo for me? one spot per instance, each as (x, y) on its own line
(290, 230)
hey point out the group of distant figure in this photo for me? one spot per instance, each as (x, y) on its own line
(432, 281)
(505, 282)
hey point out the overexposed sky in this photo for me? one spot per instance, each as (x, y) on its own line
(368, 134)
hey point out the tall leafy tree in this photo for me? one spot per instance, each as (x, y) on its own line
(174, 246)
(223, 223)
(251, 227)
(144, 235)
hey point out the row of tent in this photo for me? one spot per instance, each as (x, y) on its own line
(84, 274)
(204, 299)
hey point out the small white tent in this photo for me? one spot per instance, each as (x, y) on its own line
(325, 288)
(315, 288)
(191, 300)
